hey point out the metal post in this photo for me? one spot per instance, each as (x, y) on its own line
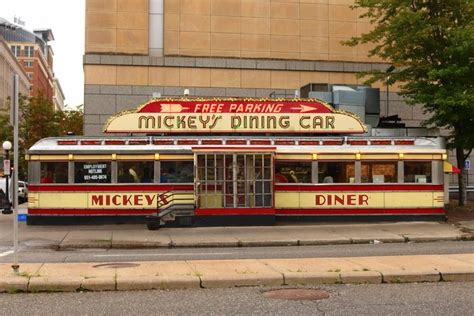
(7, 208)
(15, 264)
(386, 115)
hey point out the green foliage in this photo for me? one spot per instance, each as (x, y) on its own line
(37, 120)
(71, 121)
(431, 45)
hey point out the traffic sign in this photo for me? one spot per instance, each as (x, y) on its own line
(6, 167)
(467, 164)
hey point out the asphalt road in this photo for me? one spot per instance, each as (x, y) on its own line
(441, 298)
(121, 255)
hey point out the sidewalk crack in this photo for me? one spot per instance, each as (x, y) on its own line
(59, 244)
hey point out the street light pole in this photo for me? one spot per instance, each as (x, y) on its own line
(387, 83)
(6, 171)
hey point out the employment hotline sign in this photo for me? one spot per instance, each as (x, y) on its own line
(234, 116)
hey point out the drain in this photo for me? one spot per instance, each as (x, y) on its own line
(116, 265)
(297, 294)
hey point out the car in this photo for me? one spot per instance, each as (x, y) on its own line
(22, 192)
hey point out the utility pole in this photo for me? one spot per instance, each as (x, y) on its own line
(14, 121)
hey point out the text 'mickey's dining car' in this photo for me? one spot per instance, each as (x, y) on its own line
(244, 160)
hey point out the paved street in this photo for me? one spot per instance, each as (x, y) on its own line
(29, 254)
(387, 299)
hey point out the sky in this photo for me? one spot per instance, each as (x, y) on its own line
(66, 18)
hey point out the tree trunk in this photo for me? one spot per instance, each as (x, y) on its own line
(462, 191)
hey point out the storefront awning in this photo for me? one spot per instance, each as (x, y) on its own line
(449, 168)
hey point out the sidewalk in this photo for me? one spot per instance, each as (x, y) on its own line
(67, 277)
(229, 273)
(137, 236)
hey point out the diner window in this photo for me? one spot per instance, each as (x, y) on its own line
(379, 172)
(336, 172)
(293, 172)
(176, 172)
(417, 171)
(92, 172)
(54, 172)
(135, 171)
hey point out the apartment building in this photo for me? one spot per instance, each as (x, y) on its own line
(9, 66)
(34, 54)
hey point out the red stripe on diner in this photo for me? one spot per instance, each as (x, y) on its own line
(358, 187)
(234, 211)
(163, 142)
(91, 142)
(211, 142)
(233, 148)
(413, 211)
(108, 188)
(309, 142)
(67, 142)
(236, 142)
(114, 142)
(38, 211)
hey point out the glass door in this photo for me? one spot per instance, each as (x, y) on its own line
(234, 180)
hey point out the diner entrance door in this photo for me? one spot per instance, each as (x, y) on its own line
(234, 180)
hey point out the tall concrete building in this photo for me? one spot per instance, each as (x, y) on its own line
(137, 49)
(220, 48)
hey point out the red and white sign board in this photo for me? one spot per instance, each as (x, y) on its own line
(235, 116)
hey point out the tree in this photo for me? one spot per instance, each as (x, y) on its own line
(71, 121)
(431, 45)
(37, 120)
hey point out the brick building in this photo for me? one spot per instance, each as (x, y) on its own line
(9, 66)
(34, 54)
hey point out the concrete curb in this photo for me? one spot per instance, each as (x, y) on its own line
(268, 243)
(65, 284)
(171, 275)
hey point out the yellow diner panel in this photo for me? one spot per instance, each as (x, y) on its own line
(102, 200)
(409, 199)
(350, 200)
(49, 157)
(136, 157)
(176, 157)
(293, 157)
(61, 200)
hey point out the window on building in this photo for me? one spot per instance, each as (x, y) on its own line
(336, 172)
(54, 172)
(16, 50)
(29, 51)
(417, 171)
(30, 75)
(135, 171)
(28, 63)
(92, 172)
(379, 172)
(176, 172)
(293, 172)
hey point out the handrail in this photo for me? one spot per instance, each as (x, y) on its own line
(169, 199)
